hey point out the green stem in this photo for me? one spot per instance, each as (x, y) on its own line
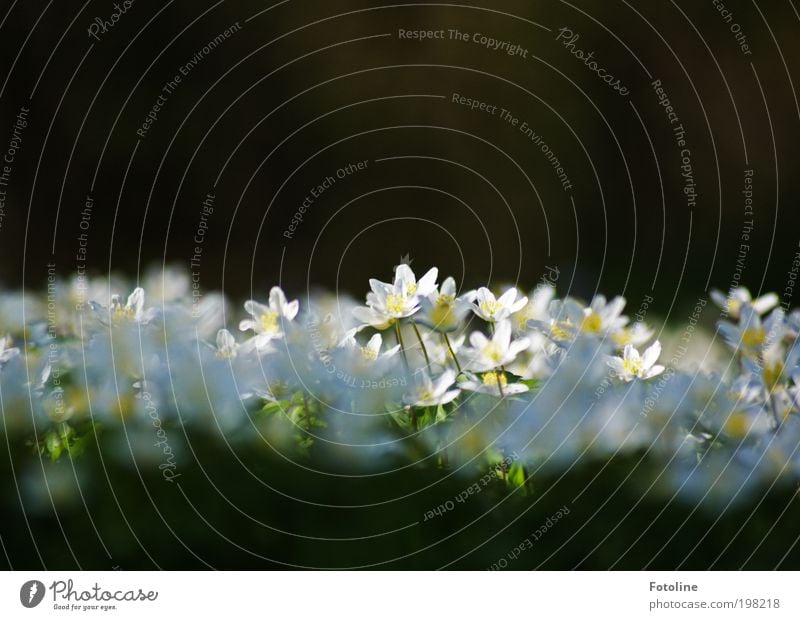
(500, 374)
(307, 408)
(500, 370)
(422, 344)
(402, 345)
(452, 353)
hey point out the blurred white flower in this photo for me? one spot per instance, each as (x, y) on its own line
(493, 309)
(751, 335)
(632, 365)
(492, 382)
(7, 352)
(388, 303)
(132, 311)
(167, 284)
(485, 354)
(430, 393)
(227, 347)
(266, 321)
(636, 335)
(406, 281)
(603, 316)
(739, 297)
(442, 310)
(536, 309)
(372, 350)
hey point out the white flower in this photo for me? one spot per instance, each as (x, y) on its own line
(388, 303)
(634, 366)
(442, 310)
(131, 312)
(751, 334)
(493, 309)
(485, 354)
(266, 320)
(168, 284)
(372, 350)
(494, 383)
(437, 348)
(739, 296)
(430, 393)
(636, 335)
(227, 346)
(537, 307)
(405, 280)
(602, 316)
(7, 352)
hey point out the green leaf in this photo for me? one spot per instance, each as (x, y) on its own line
(516, 475)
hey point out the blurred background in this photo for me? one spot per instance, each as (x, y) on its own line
(292, 95)
(314, 144)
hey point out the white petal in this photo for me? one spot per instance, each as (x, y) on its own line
(651, 354)
(277, 299)
(502, 334)
(290, 310)
(449, 397)
(617, 364)
(375, 343)
(614, 308)
(136, 300)
(427, 282)
(403, 275)
(365, 314)
(719, 298)
(448, 287)
(246, 324)
(255, 309)
(469, 297)
(655, 370)
(484, 294)
(447, 378)
(381, 289)
(478, 340)
(507, 298)
(765, 303)
(519, 304)
(225, 340)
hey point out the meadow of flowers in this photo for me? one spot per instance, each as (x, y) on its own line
(422, 374)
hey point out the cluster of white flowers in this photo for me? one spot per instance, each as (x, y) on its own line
(420, 370)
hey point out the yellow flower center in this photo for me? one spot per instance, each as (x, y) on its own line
(592, 322)
(632, 365)
(395, 303)
(369, 354)
(521, 318)
(558, 331)
(737, 424)
(772, 374)
(412, 288)
(493, 352)
(269, 321)
(489, 307)
(753, 336)
(622, 337)
(442, 312)
(122, 313)
(424, 394)
(493, 378)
